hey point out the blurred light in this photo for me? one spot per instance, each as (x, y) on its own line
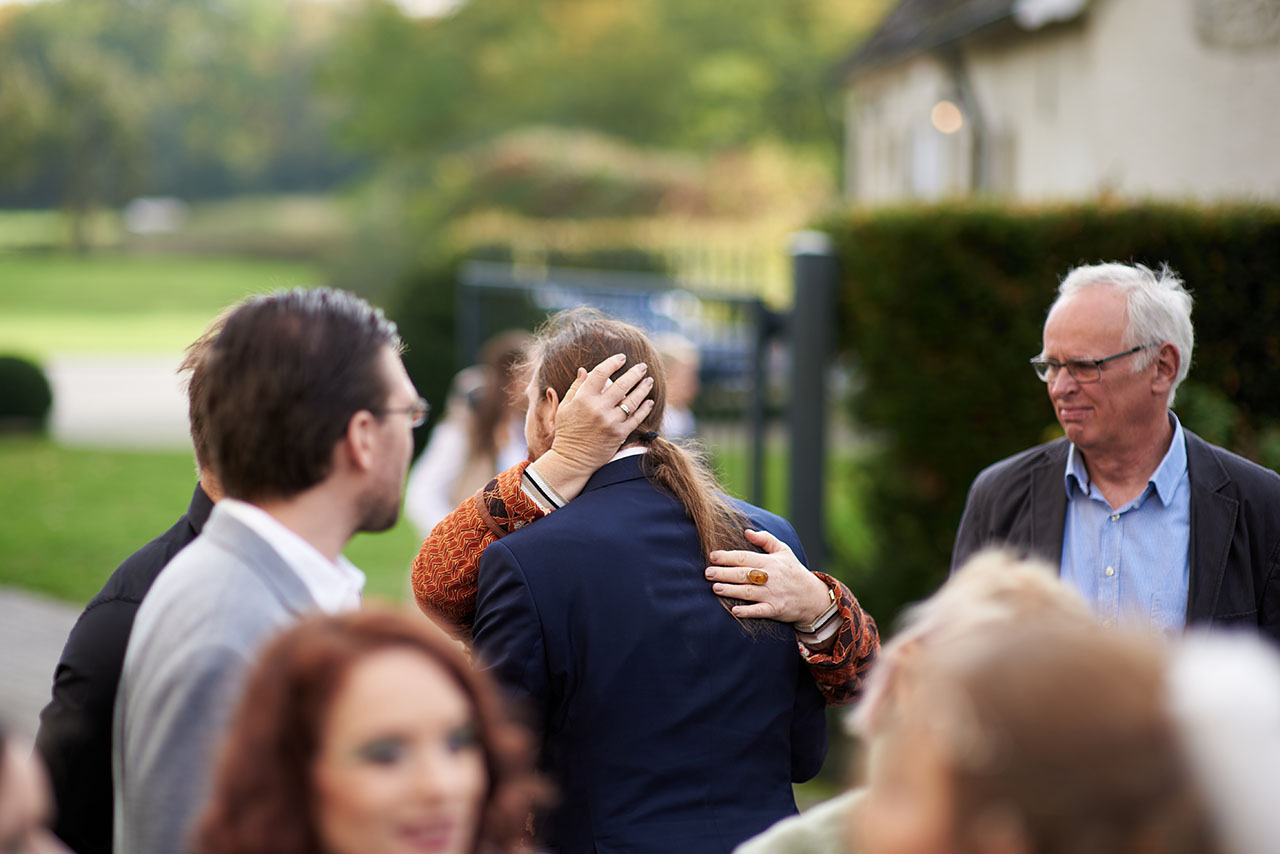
(946, 117)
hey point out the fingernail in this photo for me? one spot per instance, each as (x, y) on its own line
(707, 572)
(718, 588)
(618, 356)
(648, 381)
(642, 366)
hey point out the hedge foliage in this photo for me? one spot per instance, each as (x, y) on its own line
(25, 395)
(942, 307)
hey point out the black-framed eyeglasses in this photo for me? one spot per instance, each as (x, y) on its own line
(417, 411)
(1081, 370)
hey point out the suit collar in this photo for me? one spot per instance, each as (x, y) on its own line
(199, 509)
(1213, 523)
(1048, 511)
(259, 557)
(627, 468)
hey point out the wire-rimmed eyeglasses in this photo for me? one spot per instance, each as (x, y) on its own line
(417, 411)
(1081, 370)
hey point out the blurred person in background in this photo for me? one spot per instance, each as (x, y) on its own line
(1151, 523)
(1042, 738)
(990, 594)
(310, 421)
(368, 733)
(670, 719)
(25, 804)
(481, 434)
(681, 362)
(75, 728)
(1225, 696)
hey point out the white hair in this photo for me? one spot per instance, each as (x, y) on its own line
(1159, 309)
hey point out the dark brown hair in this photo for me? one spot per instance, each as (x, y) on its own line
(281, 381)
(585, 337)
(1063, 730)
(263, 794)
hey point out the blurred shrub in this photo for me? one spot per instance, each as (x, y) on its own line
(943, 306)
(25, 395)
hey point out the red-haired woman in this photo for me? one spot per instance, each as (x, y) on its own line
(368, 733)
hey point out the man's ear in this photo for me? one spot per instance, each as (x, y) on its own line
(360, 440)
(547, 412)
(1168, 360)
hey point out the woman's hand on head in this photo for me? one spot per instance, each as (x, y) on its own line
(591, 423)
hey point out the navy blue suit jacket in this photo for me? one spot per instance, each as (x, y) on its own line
(665, 725)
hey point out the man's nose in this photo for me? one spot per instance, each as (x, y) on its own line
(1062, 383)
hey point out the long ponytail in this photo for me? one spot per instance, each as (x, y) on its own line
(586, 337)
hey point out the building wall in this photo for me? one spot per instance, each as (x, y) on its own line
(1134, 100)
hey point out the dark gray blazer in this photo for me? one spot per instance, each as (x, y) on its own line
(195, 636)
(1235, 527)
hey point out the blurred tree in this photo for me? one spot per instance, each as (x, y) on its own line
(65, 99)
(196, 98)
(691, 74)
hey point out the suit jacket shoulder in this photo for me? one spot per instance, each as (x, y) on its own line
(194, 637)
(1019, 502)
(1235, 539)
(75, 728)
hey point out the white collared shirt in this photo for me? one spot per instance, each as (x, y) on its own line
(335, 586)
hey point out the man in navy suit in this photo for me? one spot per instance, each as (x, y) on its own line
(667, 724)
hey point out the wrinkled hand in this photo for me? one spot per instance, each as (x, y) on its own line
(792, 593)
(591, 425)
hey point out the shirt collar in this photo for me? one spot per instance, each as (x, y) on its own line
(1165, 478)
(629, 452)
(335, 586)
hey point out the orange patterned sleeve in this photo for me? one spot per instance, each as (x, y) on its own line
(842, 671)
(444, 572)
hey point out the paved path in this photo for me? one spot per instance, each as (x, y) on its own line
(118, 401)
(32, 631)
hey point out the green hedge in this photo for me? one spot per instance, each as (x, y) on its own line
(25, 396)
(942, 307)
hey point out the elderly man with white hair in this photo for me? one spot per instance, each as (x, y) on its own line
(1147, 520)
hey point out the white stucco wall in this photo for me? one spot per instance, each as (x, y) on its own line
(1129, 102)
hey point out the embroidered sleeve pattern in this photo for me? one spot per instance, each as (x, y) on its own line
(841, 671)
(444, 572)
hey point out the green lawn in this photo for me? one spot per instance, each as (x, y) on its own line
(70, 515)
(57, 303)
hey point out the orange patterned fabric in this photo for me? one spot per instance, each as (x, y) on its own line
(444, 572)
(842, 671)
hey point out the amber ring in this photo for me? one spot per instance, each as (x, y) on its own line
(757, 576)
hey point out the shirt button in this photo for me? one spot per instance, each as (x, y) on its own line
(1115, 517)
(1111, 570)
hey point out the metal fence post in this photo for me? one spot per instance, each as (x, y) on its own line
(812, 334)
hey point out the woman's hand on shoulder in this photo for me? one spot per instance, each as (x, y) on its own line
(786, 591)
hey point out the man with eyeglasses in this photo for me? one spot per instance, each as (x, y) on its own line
(1152, 524)
(309, 418)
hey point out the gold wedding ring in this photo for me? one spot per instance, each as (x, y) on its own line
(627, 409)
(757, 576)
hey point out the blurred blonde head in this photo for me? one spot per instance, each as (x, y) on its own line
(995, 590)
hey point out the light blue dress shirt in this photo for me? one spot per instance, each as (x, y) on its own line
(1131, 563)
